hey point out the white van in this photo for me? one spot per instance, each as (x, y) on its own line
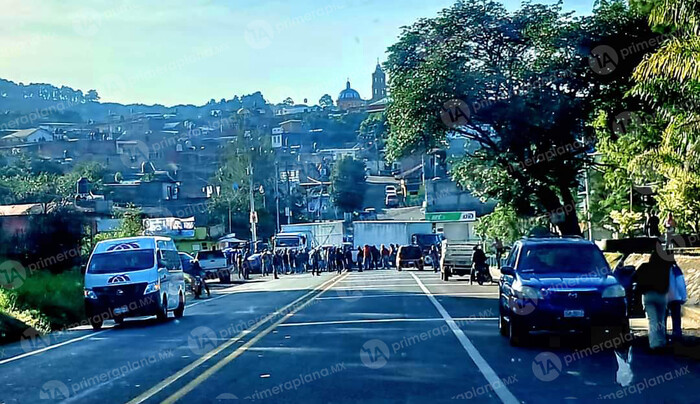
(131, 277)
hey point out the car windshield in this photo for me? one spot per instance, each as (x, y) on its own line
(551, 258)
(410, 253)
(287, 242)
(121, 261)
(210, 255)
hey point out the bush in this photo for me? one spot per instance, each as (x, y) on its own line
(55, 299)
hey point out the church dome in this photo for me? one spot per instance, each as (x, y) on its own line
(349, 93)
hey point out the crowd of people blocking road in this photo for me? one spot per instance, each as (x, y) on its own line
(320, 259)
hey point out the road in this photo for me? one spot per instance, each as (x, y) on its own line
(376, 336)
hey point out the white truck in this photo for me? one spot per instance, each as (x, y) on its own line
(378, 232)
(309, 235)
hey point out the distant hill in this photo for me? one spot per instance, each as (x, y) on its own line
(28, 105)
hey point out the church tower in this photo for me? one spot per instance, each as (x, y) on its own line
(378, 84)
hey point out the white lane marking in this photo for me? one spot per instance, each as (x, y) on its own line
(60, 344)
(498, 386)
(375, 287)
(385, 320)
(354, 297)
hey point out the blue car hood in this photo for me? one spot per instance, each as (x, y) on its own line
(564, 280)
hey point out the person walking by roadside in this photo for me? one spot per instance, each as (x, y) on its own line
(499, 250)
(385, 257)
(478, 263)
(652, 282)
(435, 258)
(677, 295)
(394, 250)
(360, 258)
(670, 226)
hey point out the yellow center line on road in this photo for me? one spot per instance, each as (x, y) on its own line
(187, 369)
(238, 352)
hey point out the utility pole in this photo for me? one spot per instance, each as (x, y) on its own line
(289, 194)
(253, 229)
(277, 193)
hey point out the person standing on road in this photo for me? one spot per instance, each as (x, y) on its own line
(677, 295)
(498, 248)
(348, 259)
(285, 261)
(360, 258)
(239, 264)
(385, 257)
(367, 257)
(435, 258)
(339, 259)
(276, 262)
(653, 283)
(315, 262)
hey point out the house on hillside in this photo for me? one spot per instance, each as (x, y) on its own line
(35, 135)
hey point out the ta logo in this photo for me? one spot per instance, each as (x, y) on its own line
(374, 354)
(455, 113)
(546, 366)
(12, 274)
(33, 340)
(201, 340)
(259, 34)
(54, 390)
(522, 306)
(603, 60)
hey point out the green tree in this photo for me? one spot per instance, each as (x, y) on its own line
(326, 101)
(514, 84)
(348, 184)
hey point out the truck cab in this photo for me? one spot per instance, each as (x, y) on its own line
(290, 241)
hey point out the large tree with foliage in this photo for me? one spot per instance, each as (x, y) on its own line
(517, 84)
(669, 81)
(348, 184)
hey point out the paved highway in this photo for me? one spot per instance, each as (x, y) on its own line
(376, 336)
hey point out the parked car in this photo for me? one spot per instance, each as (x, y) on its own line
(391, 201)
(562, 285)
(130, 277)
(215, 265)
(390, 190)
(409, 256)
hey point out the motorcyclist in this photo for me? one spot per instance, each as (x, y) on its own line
(478, 263)
(195, 270)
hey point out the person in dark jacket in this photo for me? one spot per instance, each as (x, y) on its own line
(376, 256)
(348, 259)
(360, 259)
(652, 282)
(339, 259)
(478, 262)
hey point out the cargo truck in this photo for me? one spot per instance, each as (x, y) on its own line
(309, 235)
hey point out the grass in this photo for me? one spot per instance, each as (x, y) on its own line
(44, 301)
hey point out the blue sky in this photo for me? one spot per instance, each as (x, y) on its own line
(180, 51)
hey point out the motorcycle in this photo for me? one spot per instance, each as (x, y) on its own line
(198, 287)
(482, 274)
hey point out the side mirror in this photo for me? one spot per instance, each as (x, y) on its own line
(508, 271)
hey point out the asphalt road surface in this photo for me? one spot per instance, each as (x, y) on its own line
(376, 336)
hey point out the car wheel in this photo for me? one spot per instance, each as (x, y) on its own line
(180, 310)
(517, 334)
(96, 324)
(162, 313)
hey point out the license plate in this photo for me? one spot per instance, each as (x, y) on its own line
(121, 310)
(573, 313)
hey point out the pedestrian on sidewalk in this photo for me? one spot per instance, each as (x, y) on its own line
(653, 282)
(315, 262)
(676, 297)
